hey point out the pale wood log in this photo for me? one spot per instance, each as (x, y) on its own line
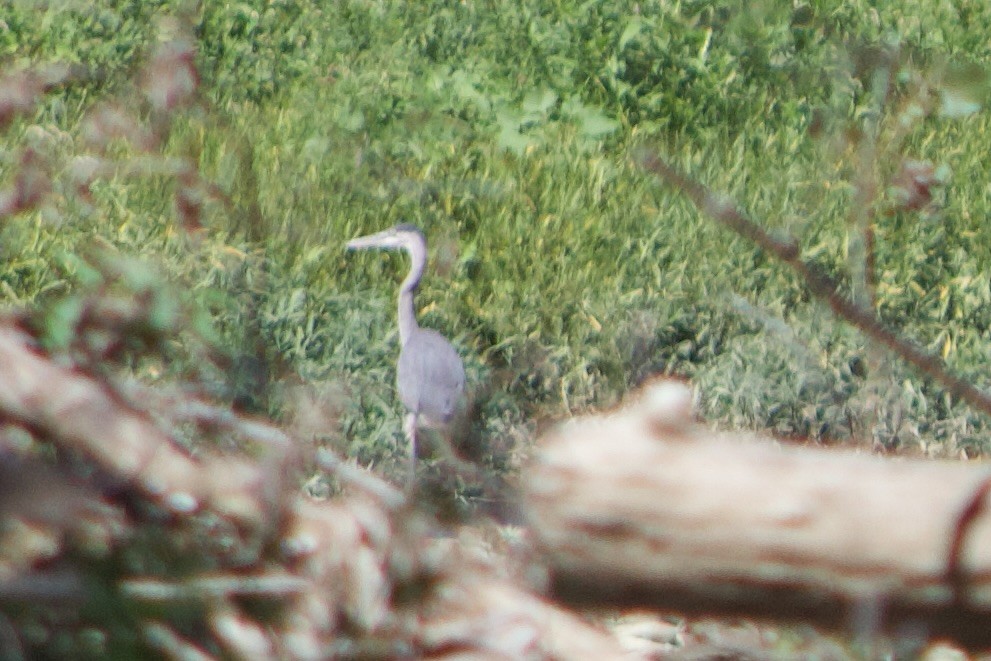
(644, 508)
(471, 601)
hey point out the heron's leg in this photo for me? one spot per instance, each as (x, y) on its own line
(409, 426)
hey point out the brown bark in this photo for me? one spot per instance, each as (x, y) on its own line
(82, 415)
(644, 508)
(361, 575)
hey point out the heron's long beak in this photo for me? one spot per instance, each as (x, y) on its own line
(378, 240)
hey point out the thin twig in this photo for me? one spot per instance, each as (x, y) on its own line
(263, 433)
(956, 573)
(163, 639)
(80, 413)
(272, 585)
(820, 283)
(390, 497)
(43, 587)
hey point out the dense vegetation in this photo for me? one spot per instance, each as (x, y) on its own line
(509, 131)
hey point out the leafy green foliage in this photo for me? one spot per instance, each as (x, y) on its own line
(560, 270)
(259, 48)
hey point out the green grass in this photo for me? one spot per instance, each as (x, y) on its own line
(563, 273)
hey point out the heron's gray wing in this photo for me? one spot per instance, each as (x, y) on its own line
(431, 376)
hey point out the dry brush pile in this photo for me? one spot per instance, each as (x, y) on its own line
(127, 542)
(139, 519)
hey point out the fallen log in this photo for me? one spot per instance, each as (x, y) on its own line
(645, 508)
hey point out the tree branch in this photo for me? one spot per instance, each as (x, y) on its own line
(820, 283)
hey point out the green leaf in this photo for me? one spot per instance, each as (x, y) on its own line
(595, 124)
(351, 120)
(963, 91)
(630, 32)
(464, 88)
(539, 101)
(163, 312)
(82, 271)
(512, 140)
(61, 321)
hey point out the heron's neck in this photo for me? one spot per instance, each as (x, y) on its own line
(407, 314)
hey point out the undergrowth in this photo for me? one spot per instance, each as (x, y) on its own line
(563, 273)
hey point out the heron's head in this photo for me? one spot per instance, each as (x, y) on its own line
(402, 236)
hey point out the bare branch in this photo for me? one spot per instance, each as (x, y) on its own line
(171, 645)
(818, 282)
(390, 497)
(61, 587)
(80, 414)
(270, 585)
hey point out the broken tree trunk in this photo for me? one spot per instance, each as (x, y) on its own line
(643, 508)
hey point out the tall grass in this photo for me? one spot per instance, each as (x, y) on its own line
(562, 272)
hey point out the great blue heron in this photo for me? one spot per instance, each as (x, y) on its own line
(430, 375)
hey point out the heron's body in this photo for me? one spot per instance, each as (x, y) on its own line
(430, 376)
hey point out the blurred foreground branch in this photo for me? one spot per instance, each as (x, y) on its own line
(641, 508)
(818, 281)
(84, 416)
(142, 538)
